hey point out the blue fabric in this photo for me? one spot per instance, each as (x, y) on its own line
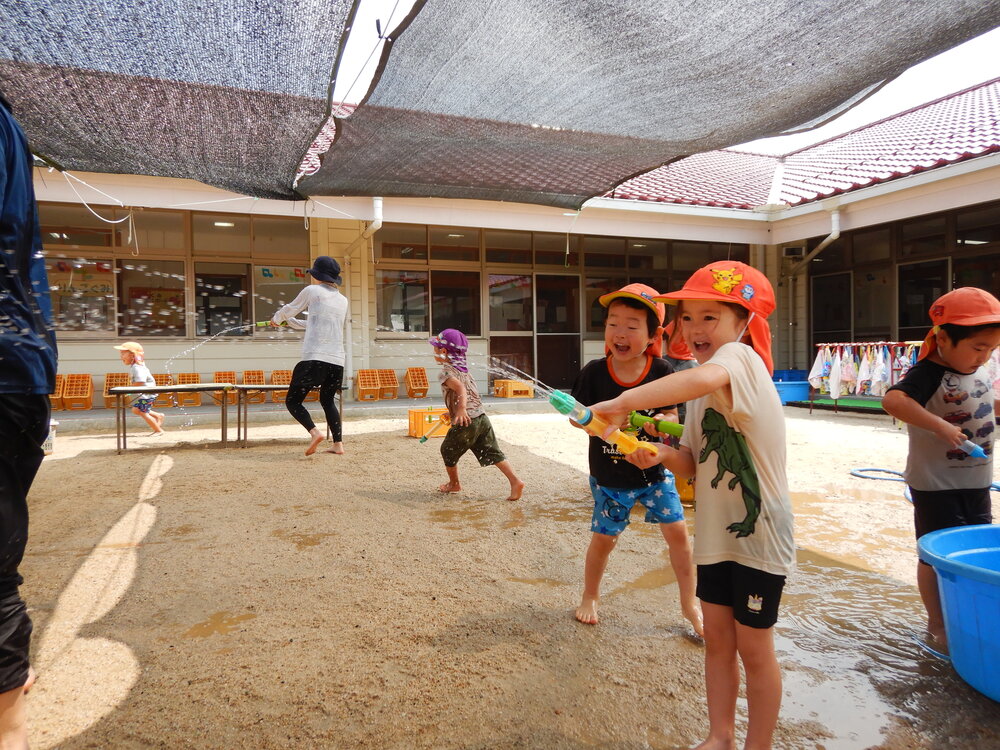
(27, 342)
(612, 506)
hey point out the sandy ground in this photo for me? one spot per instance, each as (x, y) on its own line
(186, 595)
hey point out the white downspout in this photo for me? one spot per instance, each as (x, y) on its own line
(373, 227)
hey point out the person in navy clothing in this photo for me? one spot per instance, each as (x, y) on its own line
(27, 376)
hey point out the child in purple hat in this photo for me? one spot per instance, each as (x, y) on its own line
(470, 427)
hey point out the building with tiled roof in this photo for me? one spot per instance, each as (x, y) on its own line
(964, 125)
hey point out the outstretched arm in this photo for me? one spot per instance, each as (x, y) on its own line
(907, 410)
(461, 413)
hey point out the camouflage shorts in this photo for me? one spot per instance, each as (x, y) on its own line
(476, 436)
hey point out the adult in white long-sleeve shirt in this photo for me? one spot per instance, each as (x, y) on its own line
(323, 353)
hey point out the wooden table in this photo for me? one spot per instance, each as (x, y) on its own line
(134, 390)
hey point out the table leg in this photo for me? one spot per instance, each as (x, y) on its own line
(225, 417)
(119, 421)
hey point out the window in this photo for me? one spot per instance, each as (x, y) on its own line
(151, 297)
(83, 294)
(873, 295)
(221, 234)
(978, 229)
(455, 301)
(402, 300)
(919, 285)
(872, 245)
(831, 308)
(454, 244)
(221, 300)
(557, 304)
(603, 252)
(833, 257)
(982, 271)
(510, 303)
(154, 230)
(276, 238)
(507, 247)
(401, 241)
(688, 257)
(556, 249)
(73, 226)
(275, 286)
(648, 256)
(924, 236)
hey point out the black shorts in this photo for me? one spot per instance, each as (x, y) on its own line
(945, 509)
(753, 594)
(15, 637)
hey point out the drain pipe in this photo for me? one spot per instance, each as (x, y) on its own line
(791, 276)
(366, 235)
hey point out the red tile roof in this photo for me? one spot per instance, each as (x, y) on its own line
(951, 129)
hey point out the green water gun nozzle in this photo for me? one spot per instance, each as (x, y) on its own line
(267, 323)
(637, 420)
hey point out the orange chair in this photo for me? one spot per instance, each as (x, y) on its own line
(388, 385)
(113, 380)
(56, 396)
(224, 376)
(164, 399)
(416, 382)
(189, 398)
(254, 377)
(78, 392)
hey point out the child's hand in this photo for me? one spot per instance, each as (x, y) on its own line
(462, 419)
(646, 459)
(612, 413)
(951, 433)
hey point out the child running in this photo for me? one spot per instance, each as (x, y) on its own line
(470, 427)
(945, 399)
(734, 446)
(132, 355)
(633, 336)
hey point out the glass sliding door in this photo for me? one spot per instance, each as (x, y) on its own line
(557, 316)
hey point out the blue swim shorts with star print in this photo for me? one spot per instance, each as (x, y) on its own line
(612, 507)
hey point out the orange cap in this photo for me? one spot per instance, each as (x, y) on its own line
(737, 283)
(648, 296)
(676, 347)
(965, 306)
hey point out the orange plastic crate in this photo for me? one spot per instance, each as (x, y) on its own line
(78, 392)
(55, 398)
(416, 382)
(164, 399)
(190, 398)
(254, 377)
(280, 377)
(513, 389)
(422, 420)
(388, 385)
(224, 376)
(113, 380)
(366, 385)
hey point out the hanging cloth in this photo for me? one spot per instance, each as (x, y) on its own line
(863, 384)
(848, 370)
(816, 373)
(835, 375)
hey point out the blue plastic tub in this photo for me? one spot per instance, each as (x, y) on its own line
(793, 391)
(967, 562)
(785, 375)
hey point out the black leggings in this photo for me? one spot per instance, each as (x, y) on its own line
(306, 376)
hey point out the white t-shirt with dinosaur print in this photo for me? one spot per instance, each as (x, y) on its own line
(739, 447)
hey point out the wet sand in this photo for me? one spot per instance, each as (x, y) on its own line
(186, 595)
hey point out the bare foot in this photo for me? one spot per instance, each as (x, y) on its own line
(587, 611)
(155, 433)
(450, 487)
(31, 679)
(316, 440)
(159, 419)
(337, 449)
(693, 614)
(516, 488)
(713, 743)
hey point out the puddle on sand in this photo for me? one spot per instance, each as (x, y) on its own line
(300, 540)
(221, 623)
(844, 639)
(539, 582)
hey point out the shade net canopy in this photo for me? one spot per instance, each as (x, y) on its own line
(533, 101)
(228, 92)
(555, 102)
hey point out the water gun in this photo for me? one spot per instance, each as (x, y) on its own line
(443, 423)
(267, 323)
(637, 420)
(972, 449)
(583, 416)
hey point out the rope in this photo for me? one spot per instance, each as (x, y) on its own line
(897, 476)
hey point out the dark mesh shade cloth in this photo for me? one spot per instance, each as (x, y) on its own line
(554, 102)
(228, 92)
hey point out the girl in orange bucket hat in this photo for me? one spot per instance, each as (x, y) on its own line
(734, 447)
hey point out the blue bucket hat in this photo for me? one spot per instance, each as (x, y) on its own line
(327, 269)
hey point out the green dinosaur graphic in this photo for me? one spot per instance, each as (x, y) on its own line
(734, 457)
